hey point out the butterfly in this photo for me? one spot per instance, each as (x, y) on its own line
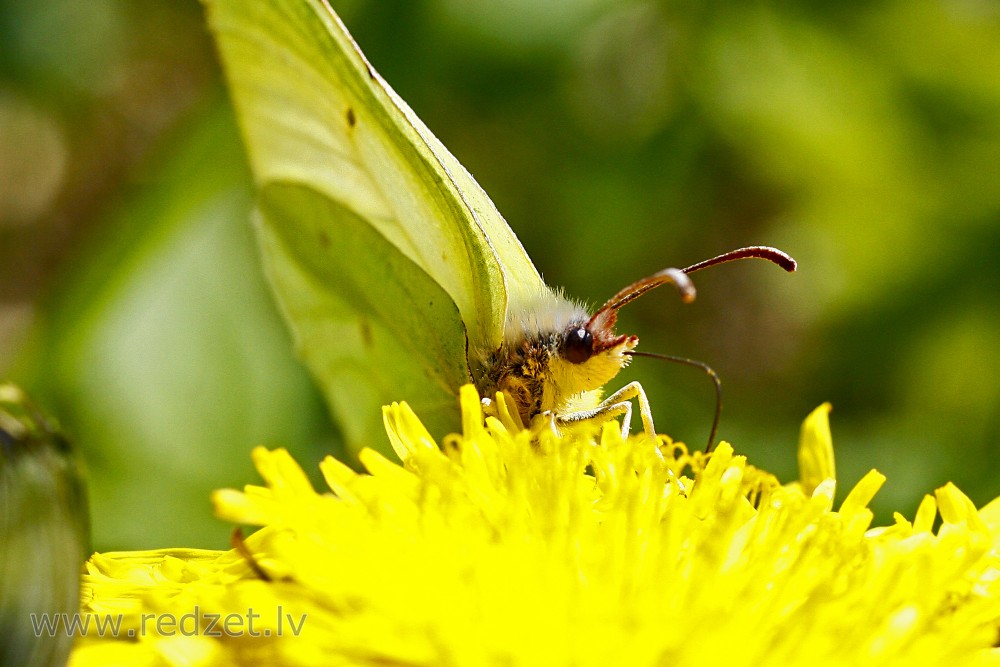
(398, 277)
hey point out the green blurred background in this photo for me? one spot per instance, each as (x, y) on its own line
(616, 137)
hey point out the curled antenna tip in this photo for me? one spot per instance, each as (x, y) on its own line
(680, 280)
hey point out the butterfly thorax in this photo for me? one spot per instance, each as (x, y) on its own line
(554, 358)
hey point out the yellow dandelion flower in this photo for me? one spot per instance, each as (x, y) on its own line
(519, 546)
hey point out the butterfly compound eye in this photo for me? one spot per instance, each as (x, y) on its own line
(578, 345)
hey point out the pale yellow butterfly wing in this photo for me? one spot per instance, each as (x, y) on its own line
(334, 150)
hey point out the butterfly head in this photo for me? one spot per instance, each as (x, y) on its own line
(587, 354)
(556, 357)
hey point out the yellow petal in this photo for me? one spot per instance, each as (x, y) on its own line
(816, 449)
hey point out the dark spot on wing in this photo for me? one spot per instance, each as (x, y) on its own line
(324, 240)
(366, 332)
(371, 72)
(351, 118)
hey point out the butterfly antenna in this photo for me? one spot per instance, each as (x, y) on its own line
(708, 370)
(772, 255)
(675, 277)
(679, 277)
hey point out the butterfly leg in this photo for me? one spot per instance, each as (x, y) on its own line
(603, 412)
(627, 393)
(618, 404)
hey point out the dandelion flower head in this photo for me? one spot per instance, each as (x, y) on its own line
(508, 545)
